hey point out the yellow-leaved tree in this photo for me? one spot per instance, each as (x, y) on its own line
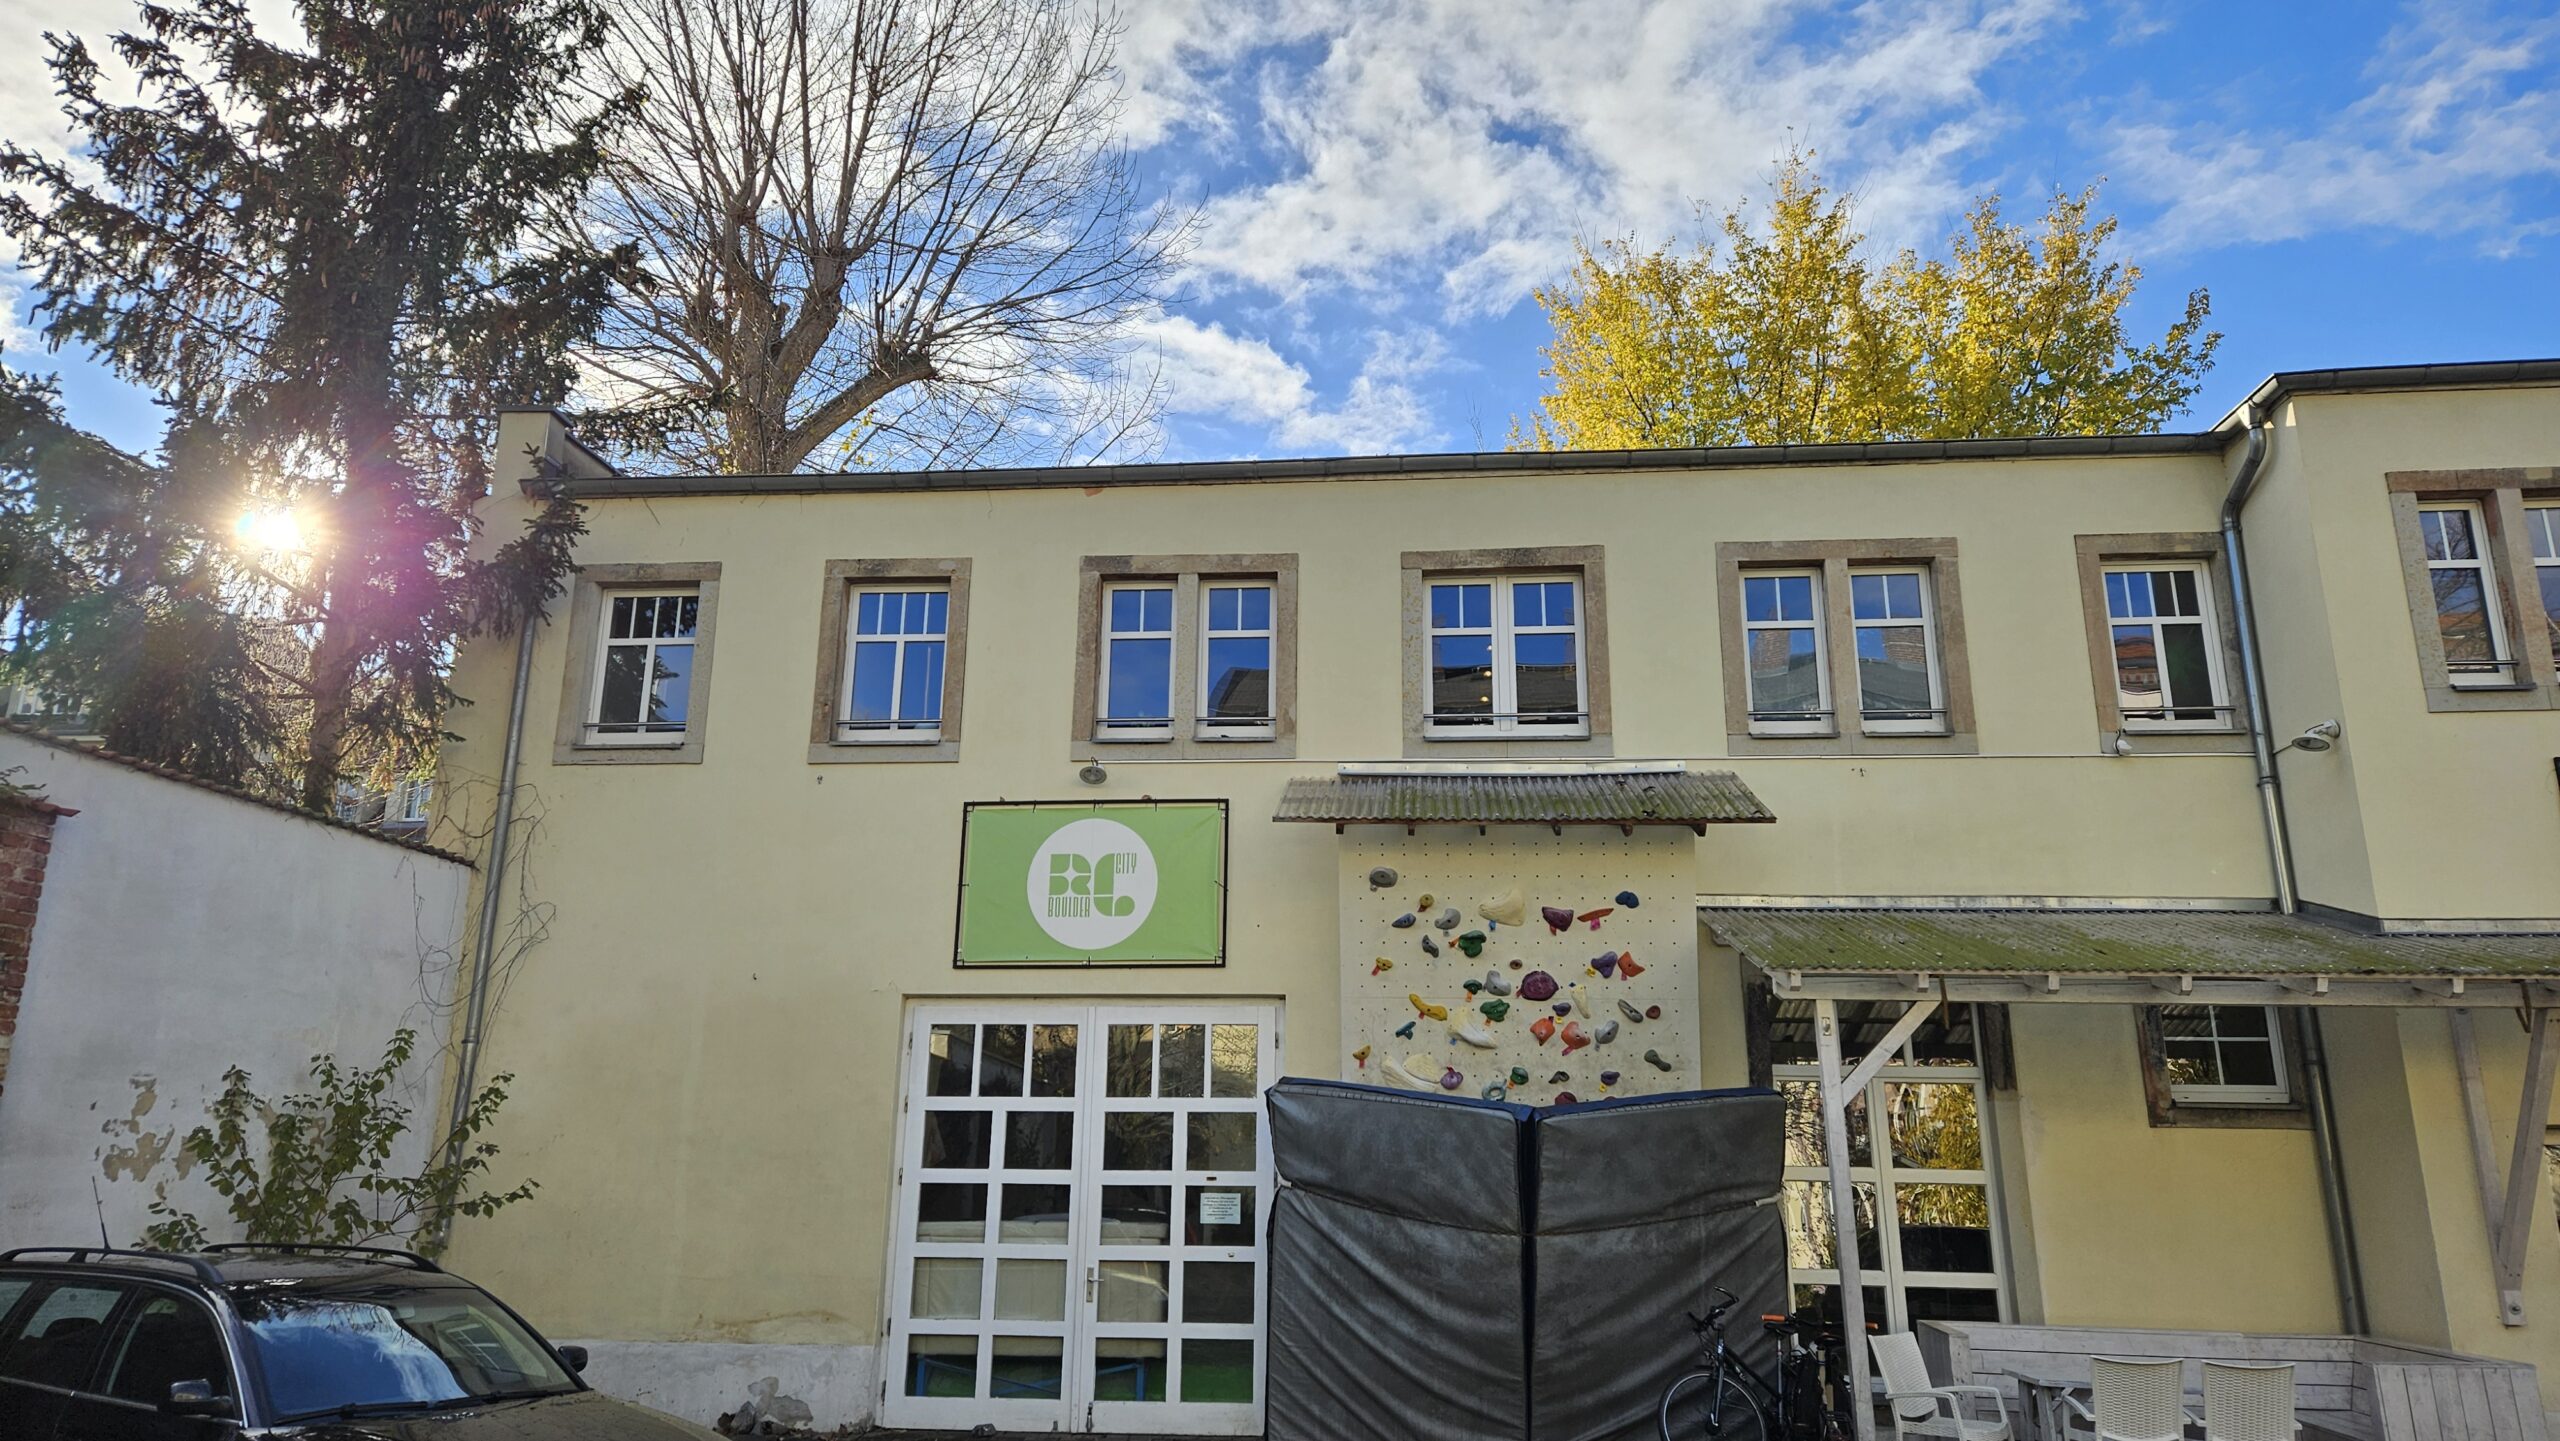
(1785, 334)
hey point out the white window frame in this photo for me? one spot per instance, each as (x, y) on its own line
(1268, 633)
(2188, 1094)
(2208, 623)
(1505, 721)
(891, 732)
(1147, 728)
(2542, 528)
(409, 801)
(1934, 723)
(1824, 720)
(641, 734)
(2500, 671)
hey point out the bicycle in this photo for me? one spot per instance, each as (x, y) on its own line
(1724, 1398)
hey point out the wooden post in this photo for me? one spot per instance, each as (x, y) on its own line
(1844, 1214)
(2524, 1169)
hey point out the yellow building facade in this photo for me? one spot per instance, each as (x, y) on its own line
(788, 1123)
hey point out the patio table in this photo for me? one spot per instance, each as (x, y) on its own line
(2042, 1397)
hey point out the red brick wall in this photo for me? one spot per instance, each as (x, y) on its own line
(26, 841)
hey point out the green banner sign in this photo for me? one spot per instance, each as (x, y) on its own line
(1141, 883)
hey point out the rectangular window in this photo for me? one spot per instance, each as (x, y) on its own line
(1782, 640)
(644, 683)
(893, 665)
(2224, 1055)
(409, 802)
(1899, 686)
(2168, 661)
(2466, 595)
(1506, 657)
(1235, 660)
(2542, 527)
(1137, 662)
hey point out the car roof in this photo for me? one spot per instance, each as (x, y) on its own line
(241, 1268)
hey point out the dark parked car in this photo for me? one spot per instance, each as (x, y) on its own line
(315, 1343)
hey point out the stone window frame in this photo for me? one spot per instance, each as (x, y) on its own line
(2501, 495)
(1187, 574)
(841, 579)
(570, 745)
(2203, 548)
(1835, 559)
(2165, 1109)
(1587, 564)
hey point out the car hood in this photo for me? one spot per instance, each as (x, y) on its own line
(579, 1416)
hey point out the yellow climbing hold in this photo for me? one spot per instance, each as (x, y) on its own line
(1383, 964)
(1510, 910)
(1437, 1013)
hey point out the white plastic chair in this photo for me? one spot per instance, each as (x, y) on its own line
(2249, 1401)
(1923, 1409)
(2134, 1400)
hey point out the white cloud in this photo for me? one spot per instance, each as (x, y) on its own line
(1212, 371)
(2461, 112)
(1453, 149)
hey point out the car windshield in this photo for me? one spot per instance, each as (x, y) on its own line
(391, 1346)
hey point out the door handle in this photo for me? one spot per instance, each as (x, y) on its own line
(1092, 1277)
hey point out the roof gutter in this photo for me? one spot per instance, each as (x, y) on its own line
(2317, 1097)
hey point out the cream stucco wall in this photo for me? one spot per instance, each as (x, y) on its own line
(704, 1036)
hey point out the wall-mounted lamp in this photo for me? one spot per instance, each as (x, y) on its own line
(1093, 774)
(2315, 738)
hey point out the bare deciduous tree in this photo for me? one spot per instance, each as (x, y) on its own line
(879, 232)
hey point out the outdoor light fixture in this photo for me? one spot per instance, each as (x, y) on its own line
(1093, 774)
(2316, 737)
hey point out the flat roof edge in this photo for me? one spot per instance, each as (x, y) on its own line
(2450, 375)
(1388, 467)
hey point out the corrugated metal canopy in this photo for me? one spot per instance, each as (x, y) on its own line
(2253, 945)
(1696, 799)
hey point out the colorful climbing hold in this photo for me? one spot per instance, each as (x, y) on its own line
(1608, 1078)
(1627, 900)
(1403, 922)
(1450, 1080)
(1427, 902)
(1628, 1010)
(1496, 1092)
(1515, 964)
(1558, 1079)
(1595, 917)
(1381, 877)
(1495, 1010)
(1653, 1013)
(1508, 910)
(1381, 964)
(1405, 1030)
(1608, 1032)
(1543, 1028)
(1471, 987)
(1655, 1059)
(1494, 982)
(1627, 966)
(1567, 1098)
(1430, 947)
(1537, 986)
(1605, 963)
(1574, 1037)
(1564, 1008)
(1474, 1034)
(1472, 943)
(1447, 920)
(1582, 1003)
(1519, 1075)
(1427, 1008)
(1395, 1073)
(1362, 1056)
(1556, 917)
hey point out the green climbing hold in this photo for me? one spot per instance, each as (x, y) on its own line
(1472, 943)
(1519, 1076)
(1472, 986)
(1495, 1010)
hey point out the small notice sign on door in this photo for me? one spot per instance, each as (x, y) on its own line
(1221, 1208)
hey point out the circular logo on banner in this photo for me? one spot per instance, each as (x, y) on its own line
(1092, 883)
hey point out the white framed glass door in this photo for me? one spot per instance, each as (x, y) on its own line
(1936, 1250)
(1081, 1193)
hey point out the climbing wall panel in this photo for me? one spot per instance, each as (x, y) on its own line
(1462, 1003)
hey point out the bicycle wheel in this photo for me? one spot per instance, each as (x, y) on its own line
(1695, 1406)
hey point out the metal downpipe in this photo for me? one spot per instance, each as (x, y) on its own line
(492, 881)
(2315, 1057)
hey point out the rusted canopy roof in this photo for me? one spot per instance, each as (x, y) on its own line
(2249, 945)
(1696, 799)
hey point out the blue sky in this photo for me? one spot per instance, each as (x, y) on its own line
(1384, 181)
